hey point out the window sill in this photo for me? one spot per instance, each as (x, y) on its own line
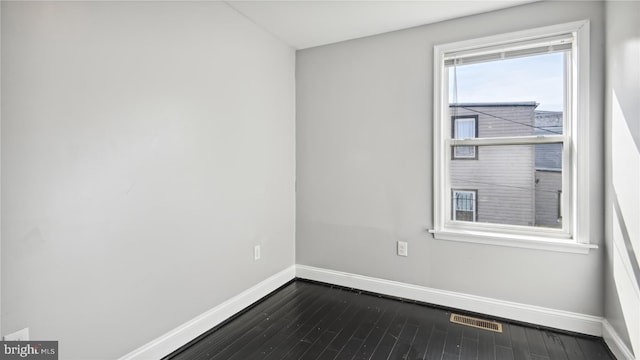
(517, 241)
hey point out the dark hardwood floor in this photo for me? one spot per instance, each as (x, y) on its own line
(305, 320)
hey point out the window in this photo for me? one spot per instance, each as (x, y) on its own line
(559, 205)
(517, 105)
(464, 205)
(464, 127)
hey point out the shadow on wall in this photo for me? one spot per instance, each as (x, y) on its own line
(626, 229)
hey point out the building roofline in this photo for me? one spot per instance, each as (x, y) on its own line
(547, 112)
(494, 104)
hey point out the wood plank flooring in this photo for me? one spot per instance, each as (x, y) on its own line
(306, 320)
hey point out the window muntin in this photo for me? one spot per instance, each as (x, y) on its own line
(571, 40)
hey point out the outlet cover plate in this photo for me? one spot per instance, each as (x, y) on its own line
(403, 248)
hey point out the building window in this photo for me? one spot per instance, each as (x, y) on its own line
(463, 205)
(559, 206)
(464, 127)
(520, 100)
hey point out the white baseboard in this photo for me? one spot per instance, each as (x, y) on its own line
(188, 331)
(615, 343)
(558, 319)
(565, 320)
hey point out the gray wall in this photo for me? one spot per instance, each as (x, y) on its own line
(364, 160)
(622, 206)
(146, 148)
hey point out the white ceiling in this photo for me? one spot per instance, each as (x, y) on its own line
(308, 23)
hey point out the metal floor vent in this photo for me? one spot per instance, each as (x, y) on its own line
(476, 323)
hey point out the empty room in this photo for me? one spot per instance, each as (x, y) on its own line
(320, 179)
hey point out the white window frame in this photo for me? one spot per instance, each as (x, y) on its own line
(574, 237)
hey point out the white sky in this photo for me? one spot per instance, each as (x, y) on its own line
(534, 78)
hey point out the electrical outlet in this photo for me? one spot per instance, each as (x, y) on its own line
(256, 252)
(403, 248)
(20, 335)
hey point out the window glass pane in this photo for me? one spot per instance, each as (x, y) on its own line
(465, 128)
(515, 184)
(513, 97)
(464, 152)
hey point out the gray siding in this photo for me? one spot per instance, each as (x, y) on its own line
(548, 156)
(503, 176)
(548, 184)
(500, 120)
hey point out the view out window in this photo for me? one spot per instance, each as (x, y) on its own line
(510, 103)
(464, 205)
(464, 128)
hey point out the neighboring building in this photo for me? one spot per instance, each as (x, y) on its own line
(548, 171)
(510, 184)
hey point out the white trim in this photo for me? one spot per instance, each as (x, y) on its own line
(558, 319)
(543, 45)
(515, 37)
(1, 232)
(440, 87)
(581, 137)
(615, 343)
(174, 339)
(525, 242)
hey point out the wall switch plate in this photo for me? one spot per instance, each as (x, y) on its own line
(403, 248)
(20, 335)
(256, 252)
